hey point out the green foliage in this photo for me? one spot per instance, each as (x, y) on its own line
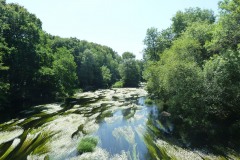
(183, 19)
(151, 52)
(148, 101)
(152, 75)
(184, 48)
(222, 81)
(87, 144)
(87, 68)
(128, 55)
(226, 34)
(198, 88)
(106, 76)
(156, 42)
(130, 72)
(181, 84)
(20, 32)
(118, 84)
(64, 69)
(4, 84)
(36, 67)
(201, 33)
(165, 39)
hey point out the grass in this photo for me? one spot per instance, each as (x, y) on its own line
(87, 144)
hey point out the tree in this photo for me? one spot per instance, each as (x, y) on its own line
(222, 97)
(4, 83)
(106, 76)
(21, 34)
(4, 51)
(185, 48)
(226, 34)
(87, 67)
(151, 50)
(222, 81)
(36, 67)
(64, 69)
(165, 39)
(183, 19)
(197, 75)
(128, 55)
(151, 74)
(129, 70)
(201, 33)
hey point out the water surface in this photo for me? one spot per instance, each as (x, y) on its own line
(126, 127)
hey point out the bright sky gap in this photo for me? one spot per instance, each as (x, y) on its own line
(119, 24)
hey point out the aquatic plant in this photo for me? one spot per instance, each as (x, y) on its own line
(80, 129)
(152, 128)
(31, 143)
(10, 134)
(128, 113)
(125, 132)
(87, 144)
(98, 154)
(135, 155)
(10, 149)
(123, 156)
(11, 124)
(107, 113)
(150, 146)
(178, 153)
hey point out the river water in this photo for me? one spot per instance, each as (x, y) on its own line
(126, 128)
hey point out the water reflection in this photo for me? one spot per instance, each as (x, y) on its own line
(126, 127)
(125, 130)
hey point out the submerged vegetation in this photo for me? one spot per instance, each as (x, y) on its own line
(87, 144)
(97, 125)
(192, 70)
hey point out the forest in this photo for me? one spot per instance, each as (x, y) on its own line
(191, 69)
(36, 67)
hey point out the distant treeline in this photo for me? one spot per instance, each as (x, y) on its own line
(36, 67)
(193, 67)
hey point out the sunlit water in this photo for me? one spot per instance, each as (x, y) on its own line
(126, 127)
(124, 131)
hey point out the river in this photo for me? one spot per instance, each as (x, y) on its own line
(126, 128)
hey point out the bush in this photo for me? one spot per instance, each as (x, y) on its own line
(222, 95)
(118, 84)
(148, 101)
(87, 144)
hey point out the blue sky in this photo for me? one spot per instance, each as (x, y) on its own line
(119, 24)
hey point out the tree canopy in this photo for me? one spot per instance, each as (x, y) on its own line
(196, 73)
(36, 67)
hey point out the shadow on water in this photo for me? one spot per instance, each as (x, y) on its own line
(30, 139)
(132, 130)
(140, 131)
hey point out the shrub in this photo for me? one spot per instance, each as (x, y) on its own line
(118, 84)
(148, 101)
(87, 144)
